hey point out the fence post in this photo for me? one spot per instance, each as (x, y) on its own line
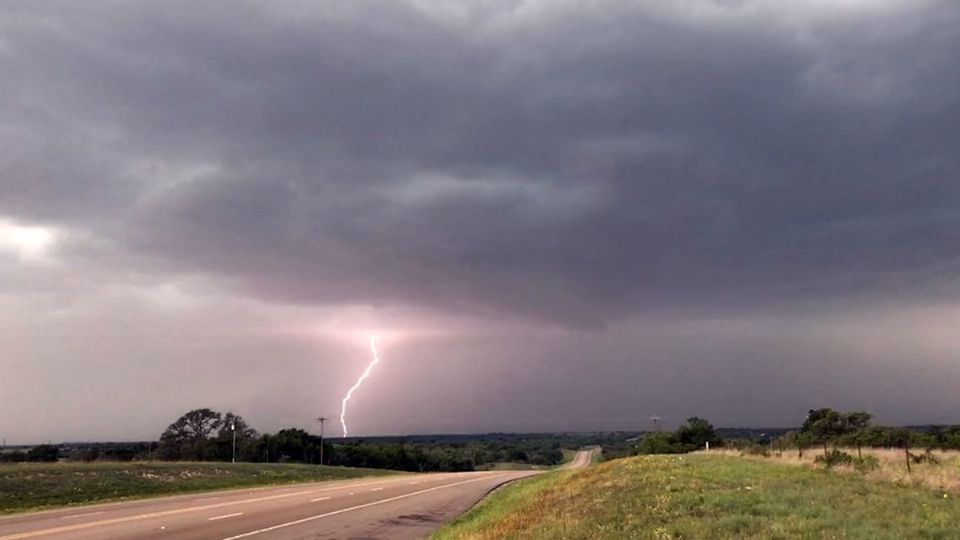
(906, 454)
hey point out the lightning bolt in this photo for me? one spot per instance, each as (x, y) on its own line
(366, 373)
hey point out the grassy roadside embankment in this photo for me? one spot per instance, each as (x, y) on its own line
(35, 486)
(707, 496)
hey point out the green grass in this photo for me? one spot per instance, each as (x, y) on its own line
(34, 486)
(701, 496)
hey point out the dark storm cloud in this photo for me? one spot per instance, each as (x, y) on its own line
(686, 207)
(569, 164)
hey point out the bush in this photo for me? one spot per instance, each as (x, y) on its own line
(835, 457)
(866, 463)
(13, 457)
(661, 443)
(926, 457)
(44, 452)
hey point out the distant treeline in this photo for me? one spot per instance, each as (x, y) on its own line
(827, 426)
(44, 452)
(203, 434)
(822, 427)
(207, 435)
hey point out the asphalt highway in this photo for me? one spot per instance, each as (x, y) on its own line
(392, 507)
(582, 459)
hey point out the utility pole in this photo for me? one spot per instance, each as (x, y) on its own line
(656, 423)
(233, 428)
(322, 419)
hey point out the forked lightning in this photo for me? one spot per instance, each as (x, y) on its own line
(366, 373)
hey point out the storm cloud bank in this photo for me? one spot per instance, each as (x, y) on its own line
(571, 215)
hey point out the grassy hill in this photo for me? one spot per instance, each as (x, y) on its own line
(31, 486)
(708, 496)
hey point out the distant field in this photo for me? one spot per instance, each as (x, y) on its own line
(708, 496)
(33, 486)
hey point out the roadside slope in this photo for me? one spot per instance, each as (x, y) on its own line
(703, 496)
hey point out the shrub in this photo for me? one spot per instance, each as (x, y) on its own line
(866, 463)
(44, 452)
(661, 443)
(835, 457)
(926, 457)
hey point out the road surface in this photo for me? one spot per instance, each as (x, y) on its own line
(392, 507)
(395, 507)
(583, 458)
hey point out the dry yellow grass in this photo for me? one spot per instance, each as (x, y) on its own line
(944, 476)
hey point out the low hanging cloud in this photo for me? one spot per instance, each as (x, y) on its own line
(538, 165)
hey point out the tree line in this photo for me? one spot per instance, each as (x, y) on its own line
(823, 427)
(207, 435)
(826, 427)
(41, 453)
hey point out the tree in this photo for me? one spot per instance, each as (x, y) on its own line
(825, 425)
(187, 438)
(857, 422)
(816, 415)
(201, 423)
(246, 439)
(294, 444)
(696, 432)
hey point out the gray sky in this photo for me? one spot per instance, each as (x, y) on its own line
(555, 215)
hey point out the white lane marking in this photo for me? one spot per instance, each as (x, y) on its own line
(352, 508)
(318, 499)
(74, 516)
(377, 489)
(225, 516)
(112, 521)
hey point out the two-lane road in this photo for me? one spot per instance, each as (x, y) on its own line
(583, 458)
(390, 507)
(403, 506)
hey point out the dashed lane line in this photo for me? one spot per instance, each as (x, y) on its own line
(225, 516)
(352, 508)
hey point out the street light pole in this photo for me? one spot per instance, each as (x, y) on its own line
(322, 419)
(233, 428)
